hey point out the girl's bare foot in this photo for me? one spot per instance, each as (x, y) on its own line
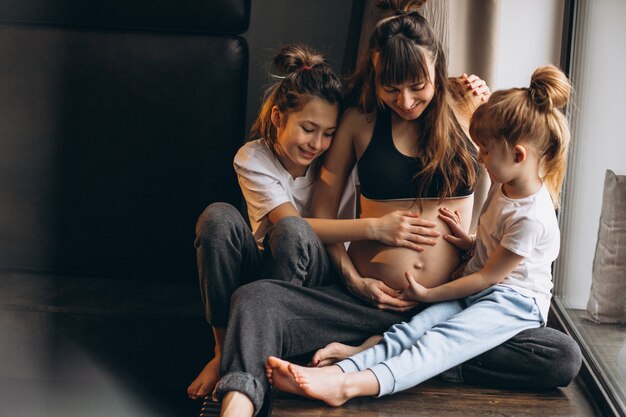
(278, 374)
(319, 383)
(328, 384)
(206, 380)
(335, 352)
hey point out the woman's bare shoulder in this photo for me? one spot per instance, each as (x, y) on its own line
(356, 115)
(359, 126)
(357, 122)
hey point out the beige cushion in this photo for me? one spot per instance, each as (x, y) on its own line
(607, 301)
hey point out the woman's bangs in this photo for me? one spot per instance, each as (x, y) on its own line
(401, 63)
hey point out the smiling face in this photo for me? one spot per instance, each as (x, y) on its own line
(410, 98)
(302, 136)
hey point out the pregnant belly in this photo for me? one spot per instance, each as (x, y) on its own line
(431, 268)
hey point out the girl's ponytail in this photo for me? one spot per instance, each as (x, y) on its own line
(292, 58)
(549, 91)
(399, 7)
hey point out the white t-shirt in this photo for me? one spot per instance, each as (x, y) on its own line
(527, 227)
(266, 185)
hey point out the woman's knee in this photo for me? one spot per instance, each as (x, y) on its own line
(566, 361)
(218, 219)
(561, 355)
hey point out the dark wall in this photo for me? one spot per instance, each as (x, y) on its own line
(324, 25)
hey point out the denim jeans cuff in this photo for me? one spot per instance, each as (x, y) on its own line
(386, 380)
(347, 365)
(244, 383)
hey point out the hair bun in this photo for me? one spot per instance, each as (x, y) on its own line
(549, 88)
(399, 7)
(291, 58)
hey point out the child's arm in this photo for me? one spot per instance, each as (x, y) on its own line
(399, 228)
(497, 267)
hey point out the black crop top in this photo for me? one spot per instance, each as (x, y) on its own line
(387, 174)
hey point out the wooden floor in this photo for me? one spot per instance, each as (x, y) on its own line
(438, 398)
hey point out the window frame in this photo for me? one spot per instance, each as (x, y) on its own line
(591, 376)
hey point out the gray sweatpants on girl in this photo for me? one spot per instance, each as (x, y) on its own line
(228, 257)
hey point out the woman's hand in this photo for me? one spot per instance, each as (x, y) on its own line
(477, 86)
(458, 238)
(380, 295)
(405, 229)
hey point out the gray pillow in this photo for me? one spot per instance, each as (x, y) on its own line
(607, 301)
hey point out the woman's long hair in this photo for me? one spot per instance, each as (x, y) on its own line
(400, 50)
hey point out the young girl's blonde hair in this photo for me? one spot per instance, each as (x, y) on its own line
(531, 115)
(303, 74)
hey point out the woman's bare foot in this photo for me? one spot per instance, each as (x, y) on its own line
(318, 383)
(206, 380)
(335, 352)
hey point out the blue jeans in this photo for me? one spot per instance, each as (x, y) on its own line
(445, 335)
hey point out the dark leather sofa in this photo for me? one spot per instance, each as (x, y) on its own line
(118, 124)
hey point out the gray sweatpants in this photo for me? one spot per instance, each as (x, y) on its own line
(228, 257)
(281, 319)
(305, 308)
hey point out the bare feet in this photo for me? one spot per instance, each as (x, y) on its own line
(335, 352)
(206, 380)
(278, 374)
(324, 384)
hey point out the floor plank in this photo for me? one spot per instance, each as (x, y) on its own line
(438, 398)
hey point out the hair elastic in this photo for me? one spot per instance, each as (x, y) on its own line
(405, 13)
(306, 67)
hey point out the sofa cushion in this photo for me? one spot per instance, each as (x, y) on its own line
(607, 301)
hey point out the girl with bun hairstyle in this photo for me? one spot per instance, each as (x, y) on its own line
(277, 171)
(523, 139)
